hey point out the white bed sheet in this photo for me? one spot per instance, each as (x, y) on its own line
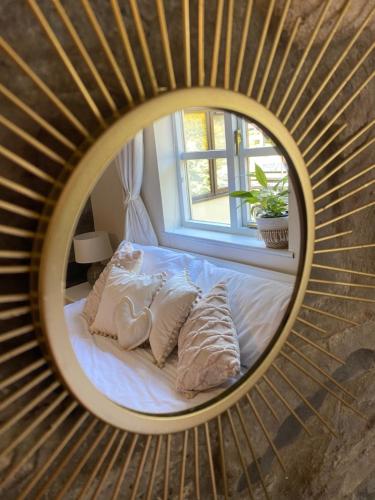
(131, 379)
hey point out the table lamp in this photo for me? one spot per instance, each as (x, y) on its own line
(92, 248)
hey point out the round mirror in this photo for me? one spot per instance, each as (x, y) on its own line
(183, 265)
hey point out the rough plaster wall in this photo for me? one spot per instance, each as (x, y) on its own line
(321, 467)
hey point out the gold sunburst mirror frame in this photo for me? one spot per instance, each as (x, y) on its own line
(66, 213)
(95, 126)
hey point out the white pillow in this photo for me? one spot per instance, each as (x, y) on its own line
(169, 310)
(124, 256)
(208, 351)
(258, 306)
(121, 318)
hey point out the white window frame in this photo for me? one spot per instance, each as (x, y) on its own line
(236, 161)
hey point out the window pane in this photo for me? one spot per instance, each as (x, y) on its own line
(214, 210)
(198, 177)
(221, 173)
(195, 131)
(218, 131)
(274, 166)
(255, 138)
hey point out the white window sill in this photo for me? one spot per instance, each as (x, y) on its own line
(229, 240)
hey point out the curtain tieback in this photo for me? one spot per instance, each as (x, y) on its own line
(130, 197)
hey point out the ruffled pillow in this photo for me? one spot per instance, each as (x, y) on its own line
(208, 351)
(124, 256)
(123, 312)
(169, 310)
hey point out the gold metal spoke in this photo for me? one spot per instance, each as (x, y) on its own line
(210, 460)
(166, 43)
(107, 50)
(325, 145)
(303, 57)
(306, 402)
(84, 53)
(322, 385)
(228, 45)
(155, 463)
(16, 332)
(98, 464)
(254, 70)
(333, 70)
(311, 325)
(333, 236)
(66, 60)
(110, 465)
(216, 42)
(77, 445)
(39, 443)
(241, 52)
(286, 404)
(318, 369)
(186, 32)
(183, 465)
(141, 467)
(266, 401)
(329, 315)
(240, 454)
(344, 183)
(128, 50)
(318, 347)
(44, 88)
(343, 216)
(125, 467)
(343, 270)
(265, 432)
(275, 44)
(41, 472)
(144, 45)
(283, 62)
(318, 58)
(201, 65)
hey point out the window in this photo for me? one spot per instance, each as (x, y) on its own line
(217, 152)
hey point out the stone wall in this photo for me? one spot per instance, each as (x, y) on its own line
(320, 467)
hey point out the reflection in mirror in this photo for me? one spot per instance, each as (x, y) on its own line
(185, 262)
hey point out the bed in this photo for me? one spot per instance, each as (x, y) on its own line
(258, 300)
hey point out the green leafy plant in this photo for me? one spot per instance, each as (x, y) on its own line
(267, 200)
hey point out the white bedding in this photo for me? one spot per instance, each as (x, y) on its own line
(131, 379)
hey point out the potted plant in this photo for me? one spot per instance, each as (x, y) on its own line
(269, 207)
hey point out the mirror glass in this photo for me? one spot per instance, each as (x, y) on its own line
(184, 262)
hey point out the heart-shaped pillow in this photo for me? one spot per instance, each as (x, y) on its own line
(132, 329)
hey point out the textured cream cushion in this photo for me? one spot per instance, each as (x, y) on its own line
(169, 310)
(119, 318)
(208, 351)
(124, 256)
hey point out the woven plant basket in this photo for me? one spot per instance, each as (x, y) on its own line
(273, 231)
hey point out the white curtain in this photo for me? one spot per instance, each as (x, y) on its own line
(129, 164)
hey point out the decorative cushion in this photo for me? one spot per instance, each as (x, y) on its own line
(169, 310)
(124, 256)
(208, 351)
(132, 328)
(119, 319)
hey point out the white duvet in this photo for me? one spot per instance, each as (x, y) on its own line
(131, 379)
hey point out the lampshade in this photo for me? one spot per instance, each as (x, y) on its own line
(92, 247)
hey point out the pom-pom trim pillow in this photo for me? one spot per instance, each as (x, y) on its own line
(124, 256)
(169, 310)
(123, 312)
